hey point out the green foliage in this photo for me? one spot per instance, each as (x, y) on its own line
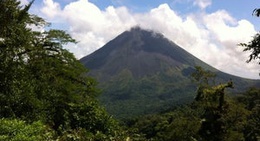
(202, 76)
(42, 81)
(235, 121)
(125, 96)
(184, 125)
(39, 78)
(211, 99)
(251, 99)
(213, 116)
(91, 117)
(18, 130)
(181, 124)
(200, 121)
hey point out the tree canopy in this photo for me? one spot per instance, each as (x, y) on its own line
(42, 81)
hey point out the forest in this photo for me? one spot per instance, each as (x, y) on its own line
(46, 94)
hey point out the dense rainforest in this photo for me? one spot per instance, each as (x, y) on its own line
(46, 94)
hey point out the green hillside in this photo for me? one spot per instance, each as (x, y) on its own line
(142, 72)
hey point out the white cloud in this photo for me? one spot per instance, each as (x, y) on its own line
(51, 9)
(211, 37)
(226, 32)
(202, 3)
(93, 27)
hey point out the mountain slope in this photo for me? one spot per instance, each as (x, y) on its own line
(142, 72)
(143, 52)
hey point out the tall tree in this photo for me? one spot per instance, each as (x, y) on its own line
(40, 80)
(211, 99)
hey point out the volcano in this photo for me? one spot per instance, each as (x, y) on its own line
(142, 72)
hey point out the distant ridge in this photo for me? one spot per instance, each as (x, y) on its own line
(142, 72)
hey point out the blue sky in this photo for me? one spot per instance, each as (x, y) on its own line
(208, 29)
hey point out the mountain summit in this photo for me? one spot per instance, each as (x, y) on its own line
(142, 72)
(140, 51)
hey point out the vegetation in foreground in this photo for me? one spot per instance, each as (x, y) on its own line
(45, 95)
(213, 116)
